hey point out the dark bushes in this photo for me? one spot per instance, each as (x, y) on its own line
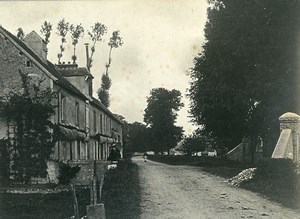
(67, 173)
(121, 191)
(278, 180)
(4, 161)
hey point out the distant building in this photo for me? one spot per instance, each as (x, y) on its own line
(88, 128)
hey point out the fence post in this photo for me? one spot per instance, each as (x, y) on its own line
(76, 211)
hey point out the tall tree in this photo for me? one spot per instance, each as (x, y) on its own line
(160, 116)
(245, 77)
(103, 92)
(76, 33)
(63, 28)
(96, 34)
(138, 137)
(46, 31)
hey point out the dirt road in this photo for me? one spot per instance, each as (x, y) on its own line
(186, 192)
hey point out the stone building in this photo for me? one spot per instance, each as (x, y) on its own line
(88, 128)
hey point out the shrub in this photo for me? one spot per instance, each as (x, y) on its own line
(277, 179)
(4, 161)
(67, 173)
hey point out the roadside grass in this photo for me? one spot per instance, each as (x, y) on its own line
(213, 165)
(121, 191)
(277, 180)
(42, 206)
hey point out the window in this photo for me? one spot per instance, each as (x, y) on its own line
(63, 107)
(95, 122)
(101, 151)
(78, 149)
(101, 124)
(95, 151)
(109, 124)
(71, 151)
(77, 113)
(29, 64)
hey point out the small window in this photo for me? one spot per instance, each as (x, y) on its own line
(29, 64)
(95, 122)
(77, 113)
(71, 150)
(63, 107)
(78, 149)
(101, 124)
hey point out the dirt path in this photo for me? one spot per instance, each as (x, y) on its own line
(186, 192)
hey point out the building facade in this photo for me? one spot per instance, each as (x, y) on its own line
(87, 128)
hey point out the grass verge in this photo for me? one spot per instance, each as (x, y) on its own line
(277, 180)
(121, 191)
(46, 206)
(213, 165)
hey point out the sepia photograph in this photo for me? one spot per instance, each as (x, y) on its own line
(150, 109)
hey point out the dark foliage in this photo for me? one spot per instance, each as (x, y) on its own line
(46, 206)
(122, 197)
(138, 137)
(246, 76)
(160, 116)
(5, 146)
(67, 173)
(30, 111)
(277, 179)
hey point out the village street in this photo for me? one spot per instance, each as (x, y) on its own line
(186, 192)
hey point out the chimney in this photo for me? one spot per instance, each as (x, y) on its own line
(37, 45)
(87, 56)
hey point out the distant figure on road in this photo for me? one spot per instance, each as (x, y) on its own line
(145, 156)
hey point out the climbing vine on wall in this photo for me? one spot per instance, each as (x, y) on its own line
(30, 110)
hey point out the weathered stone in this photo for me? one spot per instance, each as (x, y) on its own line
(96, 211)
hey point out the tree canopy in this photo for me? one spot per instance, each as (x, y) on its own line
(160, 116)
(245, 77)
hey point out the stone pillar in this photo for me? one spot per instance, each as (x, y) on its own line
(292, 121)
(96, 211)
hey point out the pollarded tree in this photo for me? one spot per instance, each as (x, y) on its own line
(103, 92)
(63, 28)
(46, 31)
(30, 110)
(160, 116)
(76, 33)
(96, 34)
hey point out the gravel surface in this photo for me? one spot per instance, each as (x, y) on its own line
(186, 192)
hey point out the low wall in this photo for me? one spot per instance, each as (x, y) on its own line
(87, 170)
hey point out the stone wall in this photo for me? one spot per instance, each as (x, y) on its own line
(86, 173)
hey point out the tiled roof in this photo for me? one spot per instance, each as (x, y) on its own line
(52, 69)
(59, 73)
(99, 104)
(68, 72)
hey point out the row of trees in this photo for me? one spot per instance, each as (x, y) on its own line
(96, 34)
(246, 76)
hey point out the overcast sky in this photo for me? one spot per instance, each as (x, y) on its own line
(161, 38)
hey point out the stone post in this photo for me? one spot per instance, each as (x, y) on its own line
(292, 121)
